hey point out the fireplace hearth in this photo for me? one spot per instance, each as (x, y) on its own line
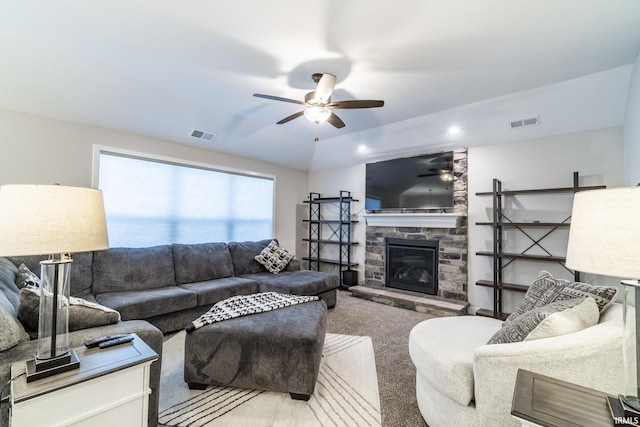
(412, 265)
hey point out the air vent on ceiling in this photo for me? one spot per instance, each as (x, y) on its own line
(524, 122)
(200, 134)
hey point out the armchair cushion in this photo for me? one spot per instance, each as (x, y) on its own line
(443, 350)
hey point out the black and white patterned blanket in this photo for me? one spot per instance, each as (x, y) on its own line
(243, 305)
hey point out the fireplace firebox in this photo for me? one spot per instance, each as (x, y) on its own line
(412, 265)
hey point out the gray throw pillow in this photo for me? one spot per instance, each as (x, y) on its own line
(274, 258)
(545, 290)
(518, 329)
(83, 314)
(537, 294)
(603, 295)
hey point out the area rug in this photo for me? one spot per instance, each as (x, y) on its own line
(346, 393)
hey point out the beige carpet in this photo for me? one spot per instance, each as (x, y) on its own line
(346, 393)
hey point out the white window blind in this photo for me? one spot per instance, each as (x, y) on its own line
(150, 202)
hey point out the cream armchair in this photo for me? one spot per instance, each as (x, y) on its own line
(460, 380)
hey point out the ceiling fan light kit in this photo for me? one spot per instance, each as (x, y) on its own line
(317, 114)
(318, 105)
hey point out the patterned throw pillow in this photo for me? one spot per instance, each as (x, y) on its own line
(25, 277)
(571, 315)
(603, 295)
(545, 290)
(274, 258)
(538, 294)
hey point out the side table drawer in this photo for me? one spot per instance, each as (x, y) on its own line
(124, 392)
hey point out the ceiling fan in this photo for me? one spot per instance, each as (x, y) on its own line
(318, 103)
(445, 173)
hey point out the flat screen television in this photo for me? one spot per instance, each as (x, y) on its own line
(419, 182)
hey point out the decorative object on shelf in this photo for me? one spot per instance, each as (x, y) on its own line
(338, 231)
(52, 220)
(502, 259)
(605, 231)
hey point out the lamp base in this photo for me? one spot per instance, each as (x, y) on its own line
(43, 368)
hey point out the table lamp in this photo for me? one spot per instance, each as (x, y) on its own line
(604, 239)
(56, 221)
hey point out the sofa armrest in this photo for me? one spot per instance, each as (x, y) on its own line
(294, 265)
(592, 358)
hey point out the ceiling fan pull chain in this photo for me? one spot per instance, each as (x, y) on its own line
(315, 139)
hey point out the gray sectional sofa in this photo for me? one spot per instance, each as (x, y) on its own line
(156, 290)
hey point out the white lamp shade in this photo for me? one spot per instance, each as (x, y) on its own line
(605, 232)
(51, 219)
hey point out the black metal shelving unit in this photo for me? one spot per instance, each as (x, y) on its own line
(502, 259)
(330, 231)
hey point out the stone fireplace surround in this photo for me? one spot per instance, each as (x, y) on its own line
(449, 230)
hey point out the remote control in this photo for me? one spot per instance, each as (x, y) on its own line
(115, 341)
(96, 341)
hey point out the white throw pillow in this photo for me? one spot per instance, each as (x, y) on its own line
(574, 319)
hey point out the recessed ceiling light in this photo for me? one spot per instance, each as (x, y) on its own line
(362, 148)
(454, 130)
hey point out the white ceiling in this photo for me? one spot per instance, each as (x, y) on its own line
(163, 68)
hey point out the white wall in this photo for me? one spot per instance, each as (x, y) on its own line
(328, 183)
(632, 128)
(537, 163)
(37, 150)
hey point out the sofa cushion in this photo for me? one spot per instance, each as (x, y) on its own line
(243, 255)
(83, 314)
(557, 318)
(12, 332)
(274, 258)
(149, 302)
(546, 289)
(8, 286)
(132, 269)
(442, 349)
(200, 262)
(81, 278)
(300, 282)
(211, 291)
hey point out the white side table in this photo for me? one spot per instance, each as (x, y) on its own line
(110, 388)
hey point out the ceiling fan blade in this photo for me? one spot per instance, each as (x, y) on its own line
(325, 88)
(361, 103)
(277, 98)
(335, 120)
(291, 117)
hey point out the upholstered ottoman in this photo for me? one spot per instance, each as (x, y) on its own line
(277, 350)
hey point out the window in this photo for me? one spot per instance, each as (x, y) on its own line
(152, 202)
